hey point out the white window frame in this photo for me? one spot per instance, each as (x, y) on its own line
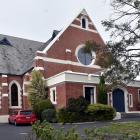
(94, 92)
(19, 95)
(139, 95)
(130, 100)
(92, 53)
(52, 95)
(109, 98)
(86, 22)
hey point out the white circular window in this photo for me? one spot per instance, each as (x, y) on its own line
(84, 57)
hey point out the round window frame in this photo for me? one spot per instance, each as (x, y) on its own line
(92, 53)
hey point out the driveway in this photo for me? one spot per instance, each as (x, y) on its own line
(11, 132)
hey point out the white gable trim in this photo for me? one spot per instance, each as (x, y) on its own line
(59, 34)
(83, 11)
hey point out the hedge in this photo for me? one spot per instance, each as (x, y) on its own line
(99, 112)
(49, 115)
(41, 106)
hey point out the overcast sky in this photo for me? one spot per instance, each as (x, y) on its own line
(36, 19)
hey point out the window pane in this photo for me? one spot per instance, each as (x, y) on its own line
(25, 112)
(54, 96)
(14, 95)
(84, 58)
(83, 23)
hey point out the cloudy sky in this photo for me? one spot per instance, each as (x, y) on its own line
(36, 19)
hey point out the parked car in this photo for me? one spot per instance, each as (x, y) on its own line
(22, 117)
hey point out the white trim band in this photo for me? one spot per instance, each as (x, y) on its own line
(4, 75)
(68, 50)
(26, 82)
(53, 60)
(69, 76)
(79, 27)
(72, 77)
(4, 84)
(25, 94)
(5, 95)
(38, 68)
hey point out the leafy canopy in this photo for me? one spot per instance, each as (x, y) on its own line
(124, 26)
(121, 56)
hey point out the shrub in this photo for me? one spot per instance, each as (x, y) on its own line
(74, 112)
(63, 115)
(41, 106)
(49, 115)
(77, 105)
(44, 131)
(100, 112)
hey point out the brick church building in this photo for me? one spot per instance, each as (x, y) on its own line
(68, 71)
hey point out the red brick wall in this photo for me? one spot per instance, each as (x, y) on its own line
(5, 90)
(134, 92)
(68, 90)
(70, 39)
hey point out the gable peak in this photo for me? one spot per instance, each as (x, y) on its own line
(84, 12)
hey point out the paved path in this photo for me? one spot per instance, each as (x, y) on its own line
(11, 132)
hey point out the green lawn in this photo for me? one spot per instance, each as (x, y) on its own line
(117, 131)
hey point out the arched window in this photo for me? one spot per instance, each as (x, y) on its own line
(84, 23)
(14, 95)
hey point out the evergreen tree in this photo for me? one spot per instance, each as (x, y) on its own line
(102, 96)
(36, 88)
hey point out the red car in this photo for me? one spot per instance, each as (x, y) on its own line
(22, 117)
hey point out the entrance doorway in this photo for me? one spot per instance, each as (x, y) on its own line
(118, 100)
(89, 94)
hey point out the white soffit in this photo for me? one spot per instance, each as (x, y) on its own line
(69, 76)
(72, 77)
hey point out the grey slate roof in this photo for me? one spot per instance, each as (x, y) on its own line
(54, 34)
(16, 56)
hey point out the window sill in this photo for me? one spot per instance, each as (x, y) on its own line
(13, 107)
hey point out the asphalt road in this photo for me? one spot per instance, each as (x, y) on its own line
(11, 132)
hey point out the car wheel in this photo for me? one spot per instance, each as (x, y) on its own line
(15, 123)
(9, 122)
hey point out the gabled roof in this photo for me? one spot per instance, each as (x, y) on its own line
(17, 54)
(54, 34)
(48, 46)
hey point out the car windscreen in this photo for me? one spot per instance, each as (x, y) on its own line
(14, 113)
(25, 112)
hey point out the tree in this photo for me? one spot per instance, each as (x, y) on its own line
(124, 46)
(102, 96)
(36, 88)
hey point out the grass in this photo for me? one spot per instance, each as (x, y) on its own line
(115, 131)
(130, 127)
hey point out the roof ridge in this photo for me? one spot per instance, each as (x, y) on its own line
(4, 35)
